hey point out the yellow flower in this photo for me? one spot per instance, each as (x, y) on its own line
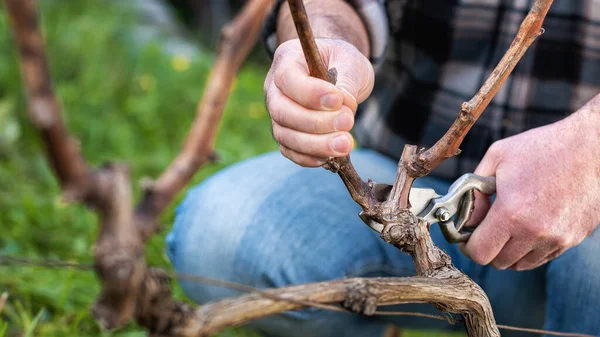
(180, 63)
(147, 82)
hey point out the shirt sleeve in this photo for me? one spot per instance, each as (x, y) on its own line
(372, 13)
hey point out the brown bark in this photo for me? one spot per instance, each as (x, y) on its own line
(459, 292)
(360, 191)
(448, 145)
(119, 251)
(44, 110)
(119, 254)
(402, 228)
(131, 290)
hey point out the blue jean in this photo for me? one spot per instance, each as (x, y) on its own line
(267, 222)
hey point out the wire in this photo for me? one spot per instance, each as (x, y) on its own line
(11, 260)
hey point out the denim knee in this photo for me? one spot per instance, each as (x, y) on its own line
(268, 223)
(573, 288)
(212, 219)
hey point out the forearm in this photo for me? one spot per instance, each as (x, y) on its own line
(333, 19)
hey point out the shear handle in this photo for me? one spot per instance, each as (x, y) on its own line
(463, 192)
(453, 232)
(450, 202)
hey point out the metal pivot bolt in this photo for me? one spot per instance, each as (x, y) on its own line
(443, 214)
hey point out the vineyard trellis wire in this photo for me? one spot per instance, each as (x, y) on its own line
(133, 290)
(10, 260)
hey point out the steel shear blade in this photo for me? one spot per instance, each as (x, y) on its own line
(426, 204)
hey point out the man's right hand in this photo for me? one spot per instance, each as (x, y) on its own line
(311, 117)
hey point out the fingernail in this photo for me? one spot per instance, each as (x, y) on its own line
(331, 101)
(343, 122)
(341, 144)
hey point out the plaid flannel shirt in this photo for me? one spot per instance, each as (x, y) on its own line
(436, 54)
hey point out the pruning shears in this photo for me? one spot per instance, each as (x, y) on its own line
(451, 211)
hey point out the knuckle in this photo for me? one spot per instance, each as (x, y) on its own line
(315, 127)
(496, 147)
(515, 212)
(275, 111)
(537, 230)
(481, 260)
(554, 254)
(299, 159)
(480, 256)
(281, 52)
(325, 124)
(561, 241)
(305, 162)
(315, 147)
(284, 151)
(524, 266)
(269, 96)
(280, 78)
(278, 133)
(268, 83)
(290, 155)
(498, 265)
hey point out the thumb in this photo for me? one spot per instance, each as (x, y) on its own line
(355, 73)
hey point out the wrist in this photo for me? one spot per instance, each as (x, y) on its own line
(331, 19)
(587, 118)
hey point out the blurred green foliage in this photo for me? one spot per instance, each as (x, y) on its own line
(124, 101)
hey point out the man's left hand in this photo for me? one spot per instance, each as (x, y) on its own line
(548, 193)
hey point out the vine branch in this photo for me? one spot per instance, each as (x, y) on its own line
(402, 228)
(448, 145)
(364, 295)
(417, 165)
(360, 191)
(132, 290)
(236, 41)
(119, 251)
(44, 110)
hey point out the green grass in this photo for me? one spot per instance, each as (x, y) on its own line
(123, 101)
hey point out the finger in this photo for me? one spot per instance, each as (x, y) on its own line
(301, 159)
(290, 114)
(535, 259)
(489, 163)
(511, 253)
(293, 80)
(482, 207)
(557, 253)
(486, 168)
(356, 74)
(349, 100)
(488, 239)
(336, 144)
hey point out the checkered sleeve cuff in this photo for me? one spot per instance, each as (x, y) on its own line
(372, 12)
